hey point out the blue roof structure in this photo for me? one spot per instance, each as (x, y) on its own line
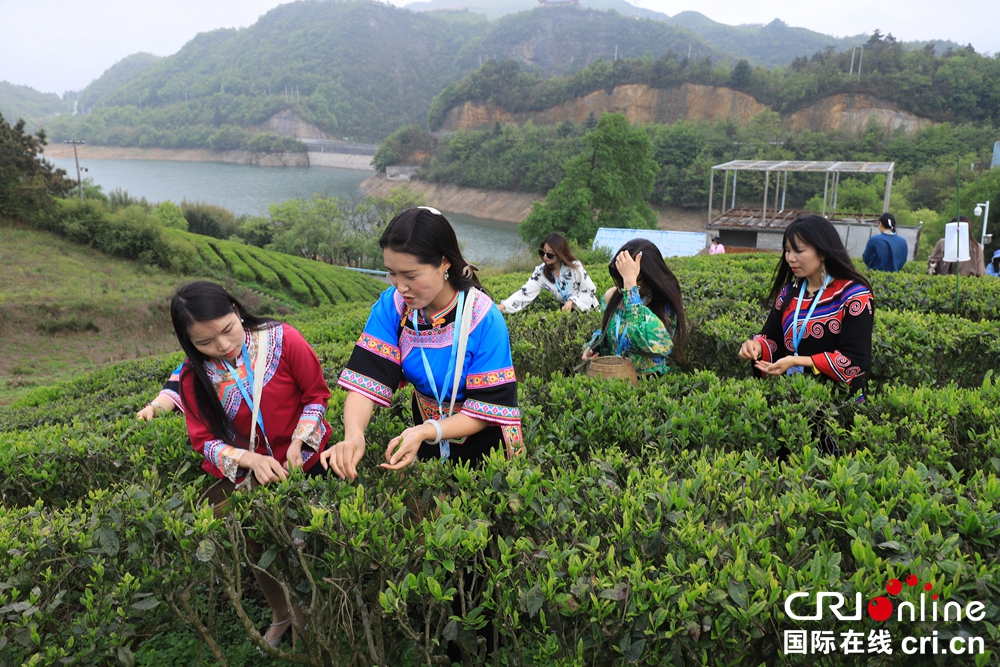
(996, 156)
(671, 244)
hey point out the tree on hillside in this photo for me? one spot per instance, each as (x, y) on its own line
(605, 186)
(27, 183)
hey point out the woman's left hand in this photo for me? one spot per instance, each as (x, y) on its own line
(402, 449)
(628, 268)
(568, 306)
(293, 459)
(779, 367)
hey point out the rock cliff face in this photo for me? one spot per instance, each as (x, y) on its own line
(642, 104)
(851, 113)
(286, 124)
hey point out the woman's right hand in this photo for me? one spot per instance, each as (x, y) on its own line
(589, 354)
(147, 413)
(751, 350)
(344, 457)
(265, 468)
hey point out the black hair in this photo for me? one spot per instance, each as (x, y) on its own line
(662, 283)
(716, 239)
(204, 301)
(560, 247)
(817, 231)
(888, 220)
(426, 234)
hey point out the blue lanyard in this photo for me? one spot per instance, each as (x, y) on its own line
(798, 333)
(563, 291)
(621, 339)
(246, 394)
(440, 395)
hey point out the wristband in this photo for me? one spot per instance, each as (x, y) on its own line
(156, 406)
(437, 430)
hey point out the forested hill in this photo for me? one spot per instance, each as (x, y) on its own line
(563, 40)
(119, 74)
(956, 86)
(353, 68)
(29, 104)
(774, 45)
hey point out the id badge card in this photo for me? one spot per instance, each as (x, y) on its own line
(795, 370)
(445, 447)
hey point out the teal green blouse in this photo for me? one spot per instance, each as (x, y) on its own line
(636, 333)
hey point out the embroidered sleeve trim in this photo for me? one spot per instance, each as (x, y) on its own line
(767, 347)
(837, 366)
(490, 379)
(366, 386)
(379, 347)
(491, 412)
(310, 429)
(174, 397)
(224, 457)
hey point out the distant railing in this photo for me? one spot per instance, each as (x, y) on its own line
(342, 147)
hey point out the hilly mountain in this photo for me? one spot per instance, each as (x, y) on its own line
(494, 9)
(27, 103)
(114, 78)
(776, 44)
(352, 68)
(562, 40)
(773, 45)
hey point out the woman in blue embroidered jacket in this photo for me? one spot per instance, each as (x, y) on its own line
(823, 311)
(223, 341)
(411, 336)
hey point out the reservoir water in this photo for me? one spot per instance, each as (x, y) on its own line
(249, 190)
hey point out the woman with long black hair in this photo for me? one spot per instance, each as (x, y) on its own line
(644, 317)
(823, 310)
(560, 273)
(465, 392)
(236, 362)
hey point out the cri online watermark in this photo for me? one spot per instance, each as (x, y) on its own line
(824, 642)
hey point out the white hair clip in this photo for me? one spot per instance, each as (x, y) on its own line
(431, 209)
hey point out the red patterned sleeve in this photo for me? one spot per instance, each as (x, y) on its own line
(853, 358)
(772, 336)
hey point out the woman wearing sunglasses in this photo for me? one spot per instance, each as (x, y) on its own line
(465, 391)
(560, 273)
(644, 317)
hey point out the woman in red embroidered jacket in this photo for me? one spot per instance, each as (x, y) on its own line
(221, 339)
(823, 313)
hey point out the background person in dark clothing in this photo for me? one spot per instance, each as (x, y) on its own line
(886, 251)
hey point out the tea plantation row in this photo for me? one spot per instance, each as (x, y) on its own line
(650, 525)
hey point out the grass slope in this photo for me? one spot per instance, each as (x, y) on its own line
(66, 308)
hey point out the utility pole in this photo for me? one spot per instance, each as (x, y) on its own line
(79, 182)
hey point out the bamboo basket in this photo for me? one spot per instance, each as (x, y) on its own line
(613, 367)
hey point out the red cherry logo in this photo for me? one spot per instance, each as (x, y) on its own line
(880, 608)
(927, 587)
(912, 580)
(894, 587)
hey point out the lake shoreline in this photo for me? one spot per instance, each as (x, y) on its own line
(300, 159)
(510, 206)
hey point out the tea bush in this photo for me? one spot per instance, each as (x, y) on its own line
(663, 524)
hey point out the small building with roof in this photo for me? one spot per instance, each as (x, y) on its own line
(764, 228)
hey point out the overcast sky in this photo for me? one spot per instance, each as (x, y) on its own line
(60, 45)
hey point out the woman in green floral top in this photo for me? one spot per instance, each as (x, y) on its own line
(648, 323)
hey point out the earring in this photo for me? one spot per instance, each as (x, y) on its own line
(446, 274)
(822, 271)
